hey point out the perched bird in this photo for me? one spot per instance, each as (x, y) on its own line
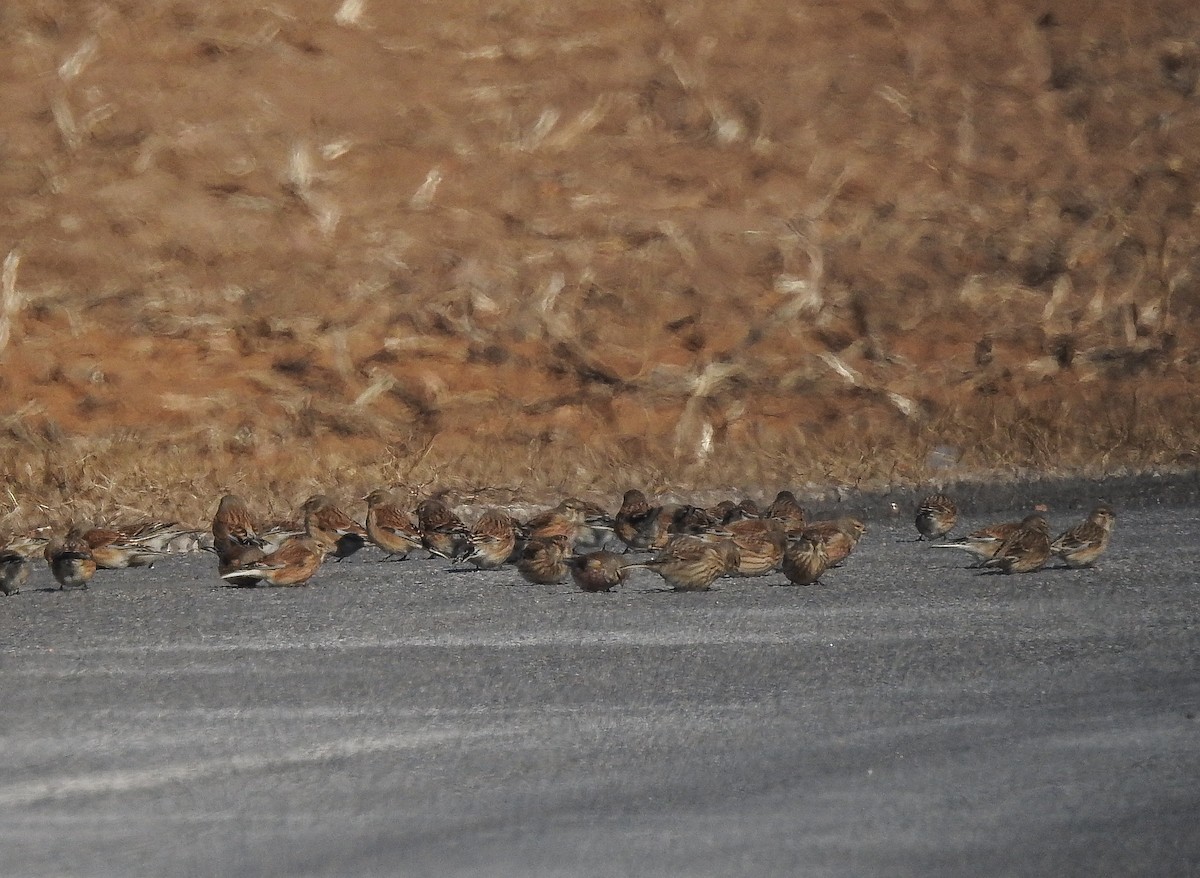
(936, 516)
(984, 542)
(493, 540)
(70, 559)
(1083, 544)
(837, 537)
(597, 571)
(293, 563)
(326, 522)
(233, 556)
(442, 532)
(786, 509)
(112, 550)
(544, 561)
(1027, 549)
(389, 527)
(233, 522)
(14, 570)
(761, 543)
(805, 561)
(688, 563)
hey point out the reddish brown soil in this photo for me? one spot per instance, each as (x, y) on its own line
(575, 246)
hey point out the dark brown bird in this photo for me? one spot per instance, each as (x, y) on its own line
(688, 563)
(70, 559)
(936, 516)
(232, 556)
(389, 527)
(544, 561)
(582, 522)
(14, 570)
(493, 540)
(838, 537)
(1026, 550)
(805, 561)
(325, 522)
(233, 522)
(637, 523)
(112, 550)
(786, 509)
(293, 563)
(761, 543)
(442, 532)
(597, 571)
(1082, 545)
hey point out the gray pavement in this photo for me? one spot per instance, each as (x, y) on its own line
(908, 717)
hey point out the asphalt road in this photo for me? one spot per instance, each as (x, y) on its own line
(908, 717)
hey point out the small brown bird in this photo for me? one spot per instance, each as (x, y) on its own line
(544, 561)
(1026, 550)
(14, 570)
(936, 516)
(597, 571)
(389, 527)
(233, 522)
(326, 522)
(493, 539)
(761, 543)
(838, 537)
(234, 556)
(70, 559)
(112, 550)
(805, 561)
(442, 532)
(688, 563)
(1083, 544)
(293, 563)
(786, 509)
(984, 542)
(583, 523)
(637, 522)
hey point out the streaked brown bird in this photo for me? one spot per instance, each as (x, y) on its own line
(234, 556)
(70, 559)
(389, 527)
(1082, 545)
(805, 561)
(936, 516)
(597, 571)
(442, 532)
(293, 563)
(544, 561)
(983, 542)
(838, 537)
(14, 570)
(1027, 549)
(637, 522)
(112, 550)
(325, 522)
(761, 543)
(493, 540)
(786, 509)
(582, 522)
(688, 563)
(233, 522)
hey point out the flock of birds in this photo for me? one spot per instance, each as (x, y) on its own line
(688, 546)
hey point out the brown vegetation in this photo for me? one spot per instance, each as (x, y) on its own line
(539, 246)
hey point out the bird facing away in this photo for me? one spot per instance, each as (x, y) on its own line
(805, 561)
(838, 537)
(14, 570)
(293, 563)
(584, 523)
(786, 509)
(70, 560)
(636, 521)
(597, 571)
(389, 527)
(233, 522)
(761, 543)
(112, 550)
(493, 540)
(442, 532)
(233, 556)
(936, 517)
(1083, 544)
(325, 522)
(1027, 549)
(544, 561)
(984, 542)
(688, 563)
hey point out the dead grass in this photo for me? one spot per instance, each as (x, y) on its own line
(526, 248)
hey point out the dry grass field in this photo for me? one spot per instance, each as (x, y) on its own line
(519, 247)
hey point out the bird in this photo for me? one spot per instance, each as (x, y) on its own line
(233, 522)
(493, 540)
(544, 561)
(786, 509)
(688, 563)
(112, 550)
(1027, 549)
(389, 527)
(805, 561)
(584, 523)
(14, 570)
(761, 543)
(233, 556)
(838, 537)
(637, 523)
(326, 522)
(597, 571)
(983, 542)
(293, 563)
(1083, 544)
(70, 559)
(442, 532)
(936, 517)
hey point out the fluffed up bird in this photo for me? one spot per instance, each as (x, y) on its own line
(761, 543)
(1027, 549)
(936, 516)
(787, 510)
(838, 537)
(597, 571)
(544, 561)
(442, 532)
(293, 563)
(389, 527)
(70, 559)
(688, 563)
(325, 522)
(493, 540)
(14, 570)
(233, 522)
(805, 561)
(1083, 544)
